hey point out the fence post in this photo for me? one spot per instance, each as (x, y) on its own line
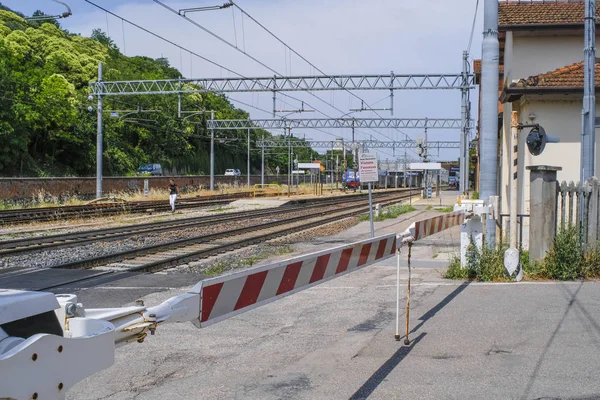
(592, 211)
(543, 199)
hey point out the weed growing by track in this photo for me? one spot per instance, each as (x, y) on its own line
(445, 209)
(235, 262)
(390, 212)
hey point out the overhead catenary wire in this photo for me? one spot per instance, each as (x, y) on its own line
(221, 66)
(311, 64)
(221, 39)
(191, 52)
(473, 27)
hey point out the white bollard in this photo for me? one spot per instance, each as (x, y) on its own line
(377, 210)
(470, 230)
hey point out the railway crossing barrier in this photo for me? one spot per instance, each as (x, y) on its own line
(225, 296)
(82, 341)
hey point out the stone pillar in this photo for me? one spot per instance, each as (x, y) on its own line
(542, 214)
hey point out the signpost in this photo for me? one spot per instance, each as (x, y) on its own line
(369, 173)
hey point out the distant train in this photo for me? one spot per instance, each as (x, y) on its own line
(349, 181)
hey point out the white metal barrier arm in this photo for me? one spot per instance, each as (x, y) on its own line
(226, 296)
(46, 365)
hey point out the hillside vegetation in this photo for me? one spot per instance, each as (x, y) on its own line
(46, 128)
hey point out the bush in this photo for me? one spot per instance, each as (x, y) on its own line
(565, 260)
(485, 265)
(456, 271)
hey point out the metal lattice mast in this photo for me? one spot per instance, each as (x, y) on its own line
(99, 140)
(464, 137)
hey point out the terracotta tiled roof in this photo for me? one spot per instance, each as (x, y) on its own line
(570, 76)
(541, 13)
(477, 67)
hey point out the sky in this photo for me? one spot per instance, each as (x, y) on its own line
(337, 36)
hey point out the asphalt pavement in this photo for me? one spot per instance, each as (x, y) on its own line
(336, 341)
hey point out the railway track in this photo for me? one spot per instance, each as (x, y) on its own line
(17, 246)
(42, 214)
(159, 257)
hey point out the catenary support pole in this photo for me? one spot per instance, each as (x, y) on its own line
(262, 165)
(99, 139)
(212, 152)
(489, 110)
(588, 134)
(289, 161)
(464, 137)
(354, 158)
(248, 157)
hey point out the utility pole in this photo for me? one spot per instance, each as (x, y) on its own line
(464, 137)
(212, 151)
(289, 159)
(405, 167)
(588, 113)
(354, 157)
(262, 164)
(99, 140)
(489, 110)
(248, 157)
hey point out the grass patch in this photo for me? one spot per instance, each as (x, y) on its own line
(216, 270)
(445, 209)
(222, 267)
(389, 213)
(428, 208)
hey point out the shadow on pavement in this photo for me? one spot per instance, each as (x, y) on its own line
(431, 313)
(378, 376)
(572, 297)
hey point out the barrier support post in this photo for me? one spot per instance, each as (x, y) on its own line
(406, 339)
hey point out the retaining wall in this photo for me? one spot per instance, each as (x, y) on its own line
(29, 188)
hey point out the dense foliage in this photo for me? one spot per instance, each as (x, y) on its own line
(47, 129)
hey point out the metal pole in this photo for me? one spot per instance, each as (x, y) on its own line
(179, 100)
(463, 167)
(397, 336)
(354, 149)
(331, 166)
(513, 179)
(212, 151)
(262, 165)
(289, 159)
(99, 137)
(248, 157)
(588, 134)
(371, 211)
(406, 339)
(489, 110)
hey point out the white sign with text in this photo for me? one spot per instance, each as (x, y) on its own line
(368, 168)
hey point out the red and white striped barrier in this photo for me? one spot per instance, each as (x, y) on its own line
(225, 296)
(421, 229)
